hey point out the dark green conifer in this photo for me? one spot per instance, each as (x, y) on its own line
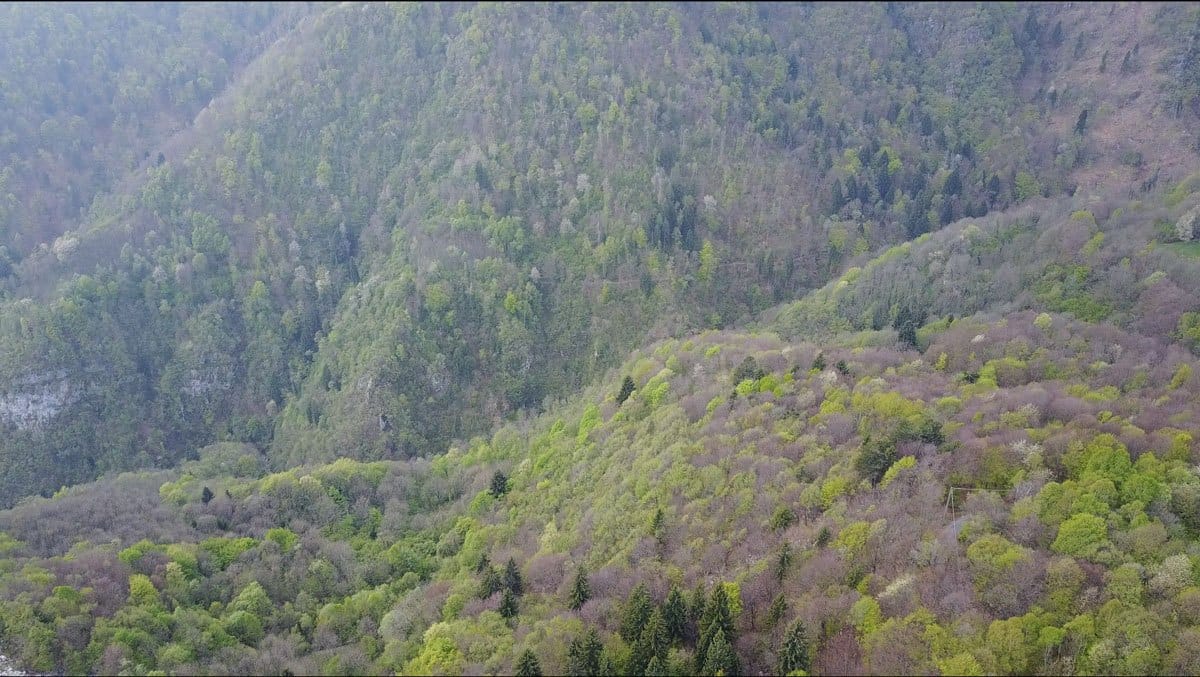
(795, 652)
(720, 658)
(508, 604)
(528, 665)
(627, 387)
(675, 615)
(581, 592)
(512, 577)
(637, 612)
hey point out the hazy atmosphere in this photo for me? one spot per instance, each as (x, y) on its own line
(600, 339)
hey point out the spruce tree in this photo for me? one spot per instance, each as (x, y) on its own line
(655, 668)
(491, 584)
(720, 659)
(653, 642)
(581, 592)
(499, 484)
(675, 615)
(206, 495)
(777, 610)
(508, 604)
(637, 612)
(528, 665)
(716, 620)
(627, 387)
(583, 655)
(784, 562)
(795, 654)
(512, 577)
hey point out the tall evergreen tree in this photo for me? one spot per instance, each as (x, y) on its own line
(656, 668)
(627, 387)
(581, 591)
(720, 658)
(491, 584)
(512, 577)
(675, 615)
(795, 652)
(654, 642)
(528, 665)
(784, 562)
(583, 655)
(777, 610)
(499, 485)
(508, 604)
(716, 620)
(637, 612)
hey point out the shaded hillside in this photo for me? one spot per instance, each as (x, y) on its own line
(1127, 262)
(803, 482)
(90, 91)
(402, 224)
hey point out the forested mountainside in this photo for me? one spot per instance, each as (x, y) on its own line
(600, 338)
(400, 224)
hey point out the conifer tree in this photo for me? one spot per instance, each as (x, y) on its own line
(581, 592)
(776, 611)
(720, 659)
(655, 668)
(491, 584)
(627, 387)
(637, 612)
(795, 652)
(583, 655)
(508, 604)
(653, 642)
(528, 665)
(716, 620)
(499, 484)
(512, 577)
(784, 562)
(675, 615)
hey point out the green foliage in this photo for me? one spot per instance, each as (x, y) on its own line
(581, 592)
(1082, 535)
(795, 652)
(528, 665)
(627, 388)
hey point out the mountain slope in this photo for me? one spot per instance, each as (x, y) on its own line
(821, 479)
(397, 240)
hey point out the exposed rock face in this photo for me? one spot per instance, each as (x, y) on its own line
(31, 402)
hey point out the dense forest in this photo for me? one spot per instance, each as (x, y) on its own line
(600, 339)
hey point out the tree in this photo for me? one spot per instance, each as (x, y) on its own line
(720, 658)
(491, 584)
(499, 484)
(528, 665)
(655, 668)
(654, 642)
(512, 578)
(784, 562)
(1081, 121)
(675, 615)
(581, 592)
(637, 612)
(818, 362)
(777, 609)
(716, 620)
(508, 604)
(795, 652)
(875, 458)
(627, 388)
(206, 495)
(583, 655)
(748, 370)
